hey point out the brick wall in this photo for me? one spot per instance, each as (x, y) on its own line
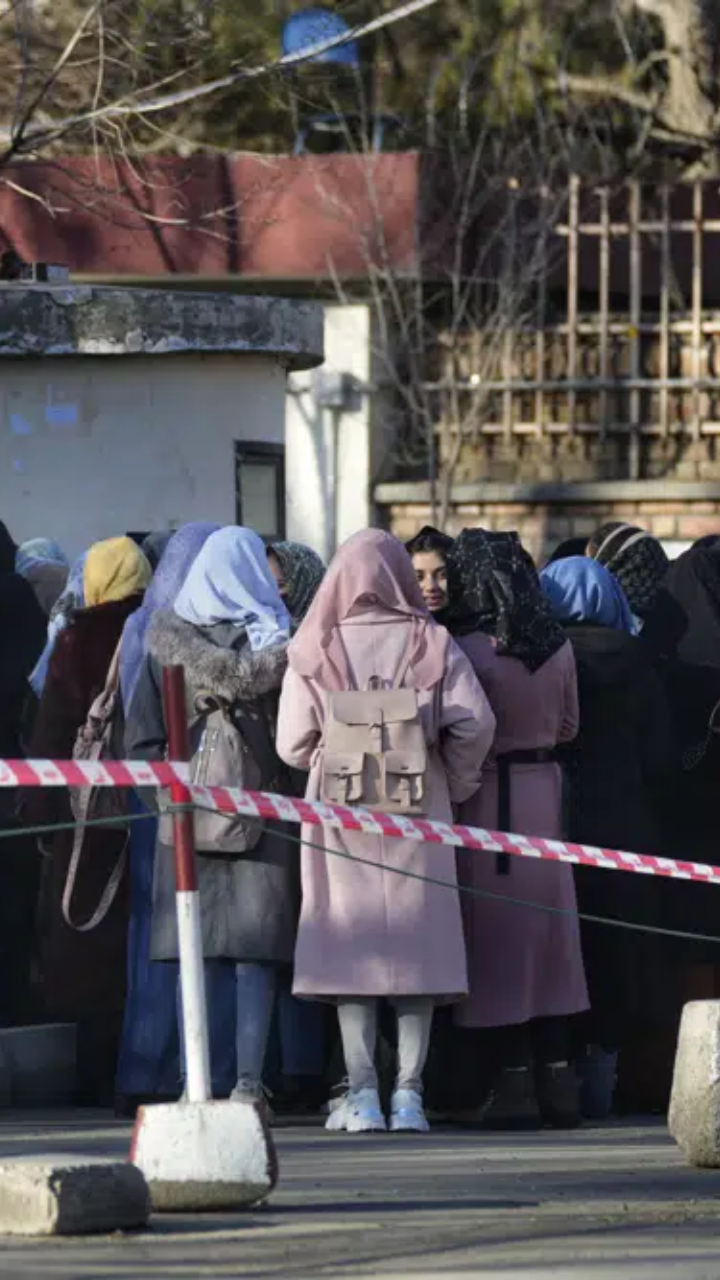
(542, 525)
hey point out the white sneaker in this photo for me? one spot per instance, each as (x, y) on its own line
(358, 1113)
(407, 1114)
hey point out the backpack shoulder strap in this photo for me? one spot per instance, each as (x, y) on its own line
(406, 661)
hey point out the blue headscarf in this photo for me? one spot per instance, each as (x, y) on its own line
(39, 551)
(173, 568)
(72, 599)
(581, 590)
(231, 582)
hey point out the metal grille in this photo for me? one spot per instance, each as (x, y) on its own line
(636, 347)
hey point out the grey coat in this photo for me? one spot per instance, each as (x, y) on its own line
(249, 908)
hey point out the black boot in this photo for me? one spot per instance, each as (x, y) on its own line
(558, 1095)
(513, 1104)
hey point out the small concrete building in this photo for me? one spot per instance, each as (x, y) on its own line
(127, 410)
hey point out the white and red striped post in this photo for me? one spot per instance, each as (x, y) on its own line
(192, 967)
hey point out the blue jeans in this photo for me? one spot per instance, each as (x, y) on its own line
(240, 1002)
(301, 1024)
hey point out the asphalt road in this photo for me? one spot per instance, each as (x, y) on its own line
(613, 1201)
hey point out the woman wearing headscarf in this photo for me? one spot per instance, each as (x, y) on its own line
(22, 634)
(525, 962)
(155, 545)
(22, 631)
(43, 564)
(82, 975)
(229, 629)
(683, 634)
(149, 1060)
(429, 551)
(72, 598)
(614, 769)
(298, 572)
(637, 560)
(369, 931)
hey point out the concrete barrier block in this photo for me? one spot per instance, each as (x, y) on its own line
(694, 1117)
(38, 1065)
(71, 1198)
(204, 1155)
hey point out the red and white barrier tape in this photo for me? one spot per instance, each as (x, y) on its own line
(139, 773)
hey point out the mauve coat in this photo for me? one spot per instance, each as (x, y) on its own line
(366, 931)
(523, 963)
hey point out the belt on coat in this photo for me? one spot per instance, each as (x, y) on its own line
(504, 762)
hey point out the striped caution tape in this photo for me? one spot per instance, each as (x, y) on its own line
(141, 773)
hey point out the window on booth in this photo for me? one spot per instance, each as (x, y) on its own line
(260, 489)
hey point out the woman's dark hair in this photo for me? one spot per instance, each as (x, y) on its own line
(429, 539)
(570, 547)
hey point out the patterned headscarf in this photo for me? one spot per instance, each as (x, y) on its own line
(303, 571)
(638, 561)
(494, 588)
(175, 564)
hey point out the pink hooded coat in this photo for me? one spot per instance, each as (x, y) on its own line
(366, 930)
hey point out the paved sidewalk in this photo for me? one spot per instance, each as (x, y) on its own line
(613, 1201)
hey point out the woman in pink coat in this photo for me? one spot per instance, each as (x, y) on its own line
(525, 963)
(368, 931)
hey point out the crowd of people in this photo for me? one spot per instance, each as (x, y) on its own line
(384, 980)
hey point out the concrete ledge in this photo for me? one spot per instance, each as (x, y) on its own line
(72, 320)
(410, 492)
(38, 1065)
(204, 1155)
(73, 1198)
(694, 1118)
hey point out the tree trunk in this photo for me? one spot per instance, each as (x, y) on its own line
(689, 105)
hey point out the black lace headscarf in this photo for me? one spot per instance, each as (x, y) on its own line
(494, 588)
(638, 561)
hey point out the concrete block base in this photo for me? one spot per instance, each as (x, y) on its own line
(204, 1155)
(46, 1199)
(694, 1118)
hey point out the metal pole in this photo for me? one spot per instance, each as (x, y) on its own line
(192, 968)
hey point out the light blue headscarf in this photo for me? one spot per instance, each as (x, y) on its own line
(231, 582)
(173, 568)
(72, 598)
(581, 590)
(39, 551)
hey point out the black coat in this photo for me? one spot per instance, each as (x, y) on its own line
(23, 631)
(249, 908)
(615, 771)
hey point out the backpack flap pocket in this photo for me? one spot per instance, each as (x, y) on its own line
(405, 780)
(342, 777)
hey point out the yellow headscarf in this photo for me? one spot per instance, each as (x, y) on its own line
(114, 570)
